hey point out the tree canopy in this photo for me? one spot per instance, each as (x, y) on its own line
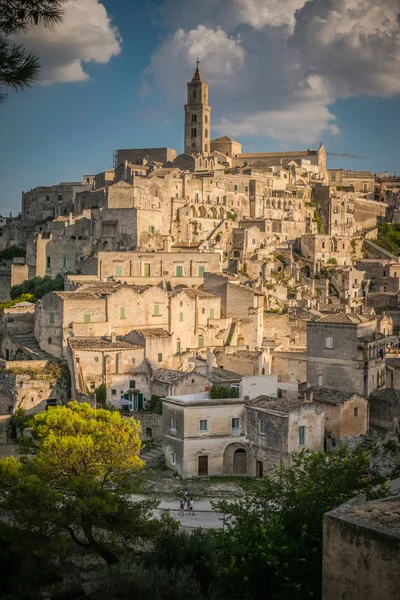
(271, 546)
(74, 478)
(20, 67)
(38, 286)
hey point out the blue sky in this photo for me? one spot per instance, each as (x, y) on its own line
(272, 86)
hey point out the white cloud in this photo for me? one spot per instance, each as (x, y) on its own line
(222, 56)
(278, 66)
(259, 13)
(85, 35)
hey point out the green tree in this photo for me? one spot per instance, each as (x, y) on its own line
(74, 479)
(12, 252)
(19, 67)
(22, 298)
(271, 546)
(38, 286)
(130, 580)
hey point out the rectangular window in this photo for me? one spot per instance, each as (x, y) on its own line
(302, 435)
(113, 392)
(179, 271)
(147, 269)
(133, 361)
(203, 425)
(159, 358)
(122, 312)
(156, 310)
(96, 359)
(319, 379)
(178, 347)
(132, 384)
(49, 340)
(211, 313)
(329, 342)
(261, 426)
(235, 188)
(206, 133)
(86, 318)
(201, 271)
(152, 229)
(235, 423)
(63, 262)
(173, 423)
(356, 412)
(118, 270)
(181, 316)
(51, 317)
(254, 241)
(173, 458)
(48, 262)
(92, 386)
(246, 188)
(333, 176)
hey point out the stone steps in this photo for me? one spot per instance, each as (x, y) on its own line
(29, 344)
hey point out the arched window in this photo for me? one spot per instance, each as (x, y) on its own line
(194, 118)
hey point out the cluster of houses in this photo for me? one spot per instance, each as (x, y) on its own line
(244, 289)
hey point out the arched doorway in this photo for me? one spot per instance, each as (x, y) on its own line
(235, 459)
(240, 462)
(149, 433)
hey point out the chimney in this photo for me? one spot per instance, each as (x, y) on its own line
(167, 243)
(210, 357)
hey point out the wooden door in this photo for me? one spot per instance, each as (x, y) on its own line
(259, 468)
(203, 465)
(240, 462)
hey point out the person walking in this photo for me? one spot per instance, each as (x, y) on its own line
(191, 507)
(186, 499)
(181, 508)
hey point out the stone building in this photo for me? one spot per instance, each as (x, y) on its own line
(346, 413)
(276, 428)
(356, 181)
(203, 437)
(168, 265)
(31, 386)
(361, 550)
(167, 382)
(320, 249)
(243, 304)
(347, 352)
(43, 202)
(384, 409)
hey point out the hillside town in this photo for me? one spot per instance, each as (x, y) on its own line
(248, 294)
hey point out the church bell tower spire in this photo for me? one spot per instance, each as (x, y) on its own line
(197, 115)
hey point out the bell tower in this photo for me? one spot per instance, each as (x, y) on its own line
(197, 116)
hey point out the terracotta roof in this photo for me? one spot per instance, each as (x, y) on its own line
(325, 395)
(290, 154)
(283, 405)
(344, 318)
(169, 375)
(393, 362)
(153, 333)
(76, 295)
(192, 293)
(97, 343)
(387, 395)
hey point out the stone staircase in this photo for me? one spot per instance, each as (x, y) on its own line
(28, 343)
(152, 455)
